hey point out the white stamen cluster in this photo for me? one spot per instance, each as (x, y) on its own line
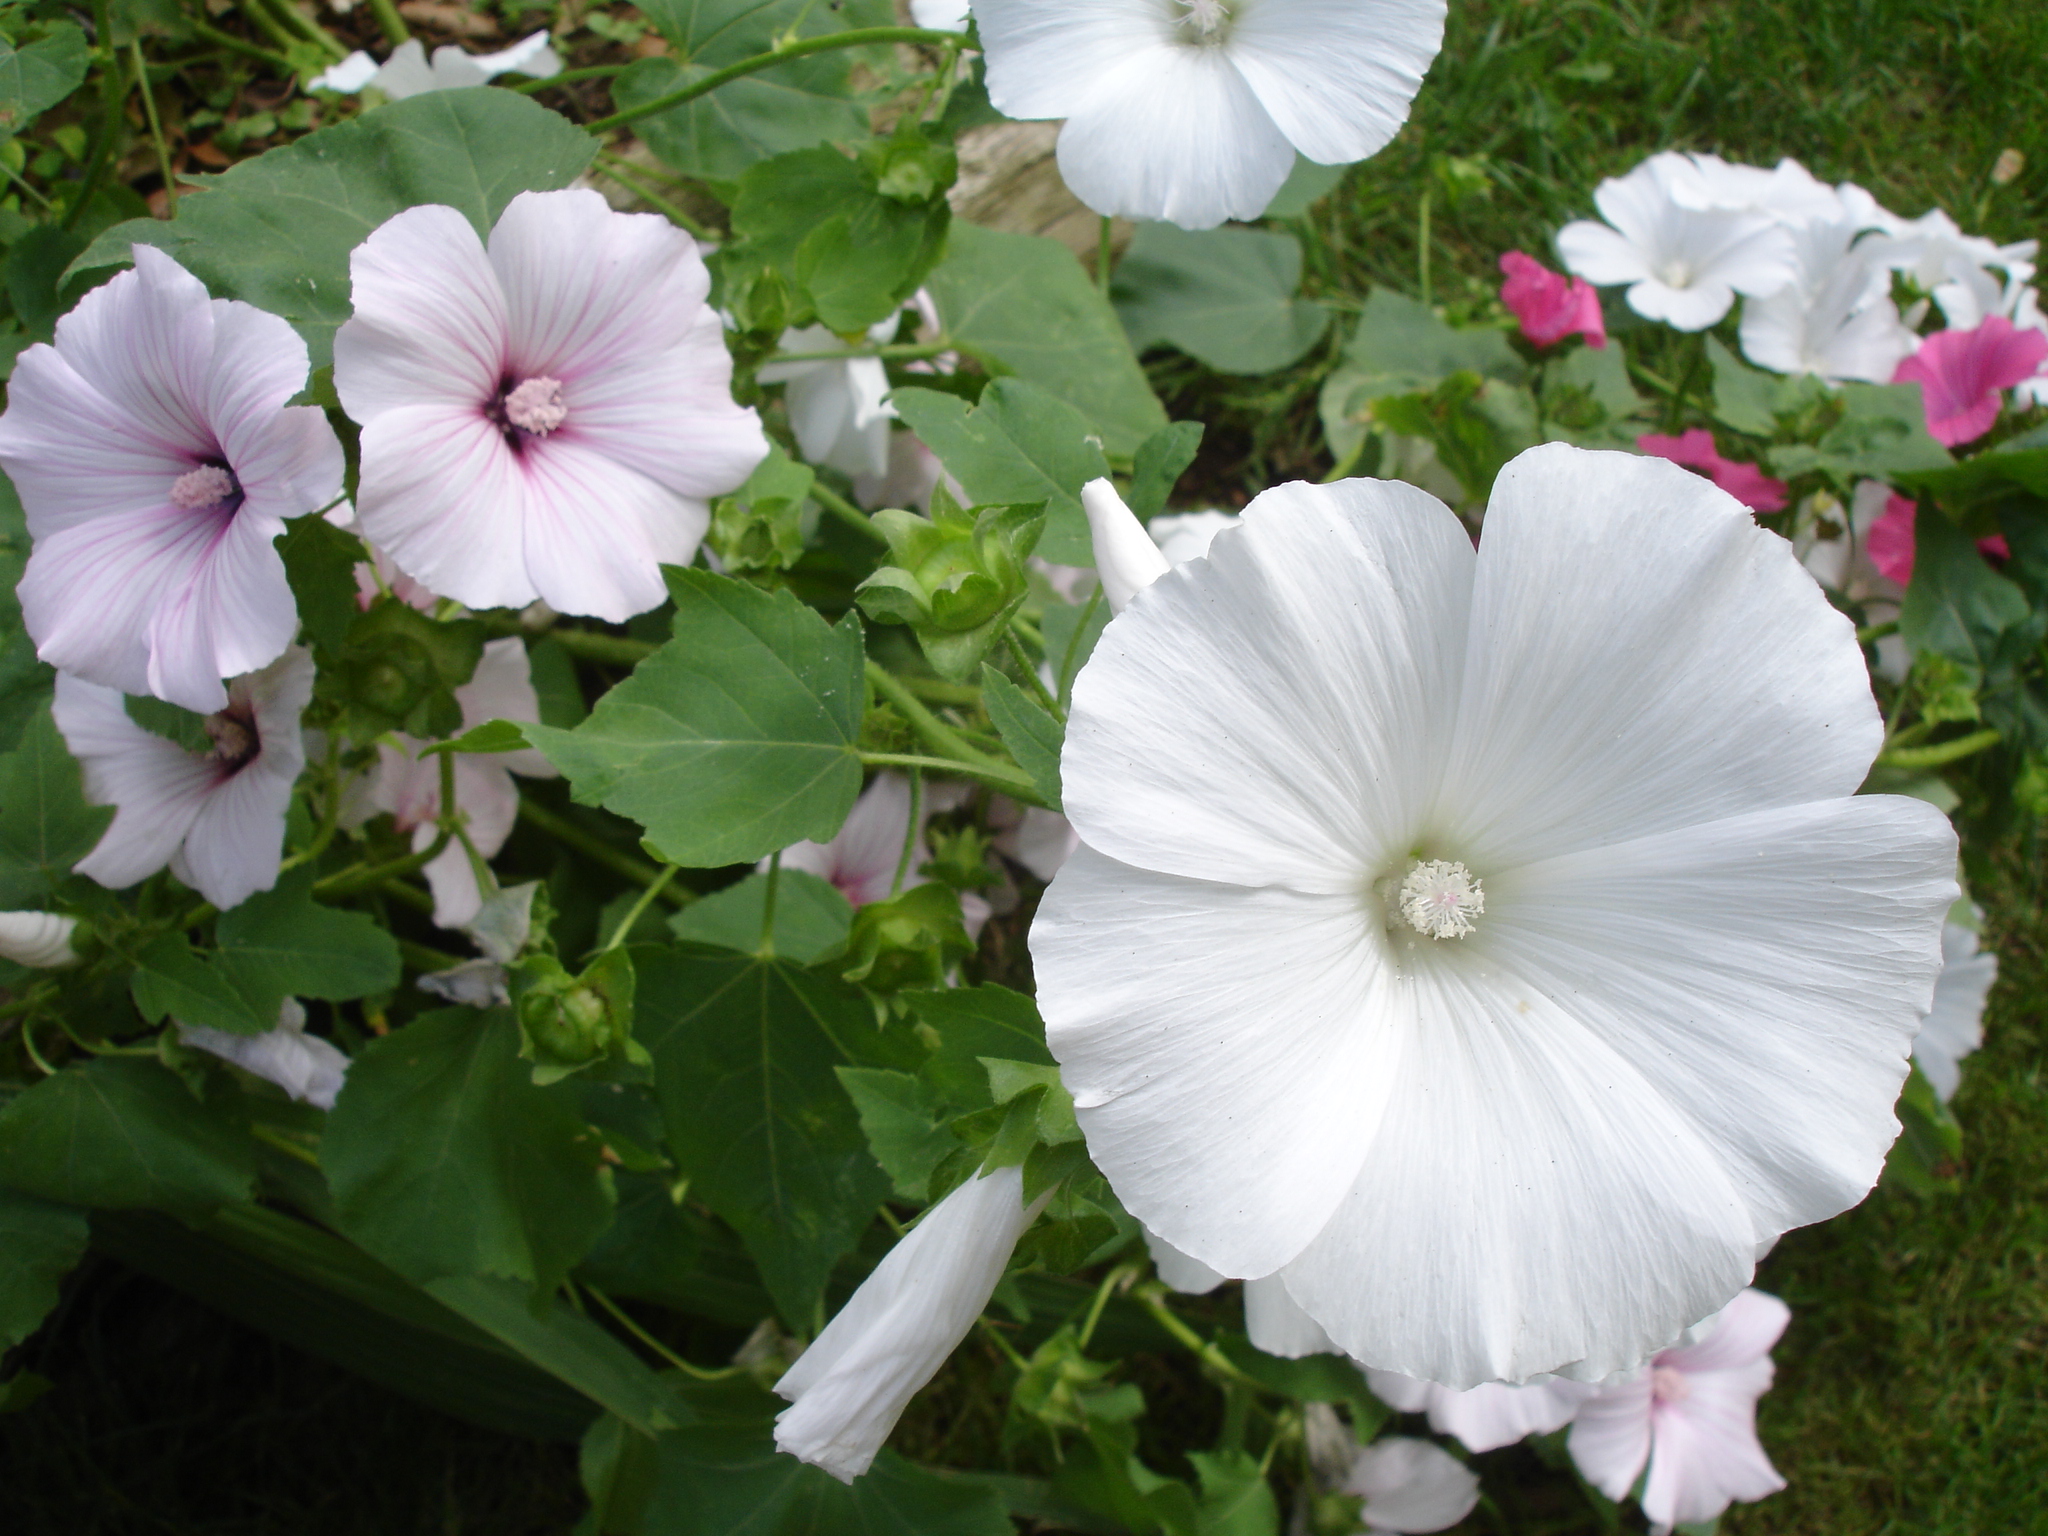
(1207, 17)
(1440, 899)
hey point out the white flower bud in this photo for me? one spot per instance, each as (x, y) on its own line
(1125, 556)
(40, 940)
(306, 1067)
(848, 1389)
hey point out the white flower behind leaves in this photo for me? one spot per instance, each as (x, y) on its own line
(1683, 255)
(518, 446)
(306, 1067)
(1193, 110)
(848, 1389)
(1679, 1024)
(1488, 1416)
(838, 408)
(1410, 1486)
(408, 72)
(215, 817)
(157, 461)
(1954, 1026)
(409, 786)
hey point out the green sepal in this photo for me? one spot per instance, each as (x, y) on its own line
(398, 671)
(570, 1023)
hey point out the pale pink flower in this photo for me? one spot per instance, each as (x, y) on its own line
(216, 817)
(1690, 1416)
(860, 861)
(1488, 1416)
(409, 786)
(157, 460)
(1961, 372)
(1411, 1486)
(1549, 305)
(306, 1067)
(546, 417)
(1695, 450)
(1891, 544)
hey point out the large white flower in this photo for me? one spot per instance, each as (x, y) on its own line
(848, 1389)
(1683, 254)
(157, 461)
(1490, 943)
(1954, 1026)
(1192, 110)
(1836, 318)
(408, 785)
(216, 817)
(544, 418)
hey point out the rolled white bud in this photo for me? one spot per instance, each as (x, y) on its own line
(40, 940)
(848, 1389)
(1125, 557)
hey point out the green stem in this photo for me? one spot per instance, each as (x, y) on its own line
(285, 1144)
(1422, 245)
(905, 350)
(859, 37)
(390, 23)
(939, 691)
(846, 511)
(1037, 689)
(910, 831)
(307, 29)
(1870, 632)
(767, 947)
(661, 1349)
(619, 862)
(1068, 665)
(569, 77)
(330, 819)
(241, 45)
(1008, 780)
(1942, 753)
(1150, 1298)
(621, 171)
(353, 882)
(265, 22)
(646, 900)
(607, 650)
(156, 129)
(28, 1041)
(111, 97)
(1121, 1275)
(935, 731)
(1103, 255)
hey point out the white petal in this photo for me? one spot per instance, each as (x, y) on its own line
(1275, 1322)
(406, 72)
(305, 1066)
(1488, 1416)
(348, 77)
(848, 1389)
(502, 689)
(1693, 307)
(157, 789)
(1411, 1486)
(1174, 133)
(1702, 672)
(1337, 75)
(1047, 58)
(1310, 663)
(39, 940)
(1125, 557)
(940, 15)
(1230, 1084)
(1188, 535)
(1191, 1277)
(1610, 1438)
(531, 56)
(1954, 1026)
(145, 340)
(1403, 1394)
(1600, 255)
(73, 454)
(430, 326)
(1705, 1452)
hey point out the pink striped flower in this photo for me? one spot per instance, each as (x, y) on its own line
(1695, 450)
(1549, 305)
(157, 461)
(546, 416)
(1961, 372)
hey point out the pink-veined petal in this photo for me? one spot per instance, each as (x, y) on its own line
(430, 326)
(446, 497)
(597, 533)
(156, 788)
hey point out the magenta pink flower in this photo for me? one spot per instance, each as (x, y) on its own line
(1550, 305)
(1690, 1416)
(1695, 450)
(544, 416)
(1961, 372)
(1890, 542)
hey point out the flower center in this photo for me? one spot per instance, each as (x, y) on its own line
(1206, 18)
(536, 406)
(1441, 898)
(234, 738)
(1669, 1385)
(1676, 274)
(210, 485)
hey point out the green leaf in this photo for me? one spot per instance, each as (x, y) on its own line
(1071, 630)
(1025, 302)
(124, 1131)
(1010, 1080)
(39, 1244)
(1400, 348)
(1956, 605)
(1033, 736)
(276, 231)
(903, 1124)
(45, 824)
(1226, 297)
(1926, 1157)
(1588, 395)
(744, 1052)
(184, 727)
(1160, 462)
(1236, 1498)
(320, 563)
(1021, 445)
(1745, 398)
(34, 269)
(278, 944)
(1882, 433)
(493, 736)
(446, 1160)
(811, 916)
(972, 1023)
(735, 739)
(37, 77)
